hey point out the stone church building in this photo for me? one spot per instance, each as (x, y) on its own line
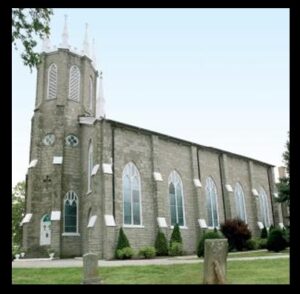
(89, 176)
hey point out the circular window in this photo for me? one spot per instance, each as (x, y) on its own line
(71, 140)
(49, 139)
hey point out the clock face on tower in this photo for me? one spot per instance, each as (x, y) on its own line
(49, 139)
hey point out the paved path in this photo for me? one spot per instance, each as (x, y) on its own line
(77, 262)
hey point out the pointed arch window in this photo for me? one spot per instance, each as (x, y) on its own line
(212, 203)
(91, 94)
(263, 208)
(132, 210)
(71, 213)
(176, 199)
(90, 166)
(240, 202)
(52, 81)
(74, 83)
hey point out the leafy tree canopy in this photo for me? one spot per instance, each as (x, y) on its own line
(27, 23)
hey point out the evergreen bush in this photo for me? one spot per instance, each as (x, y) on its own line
(264, 233)
(147, 252)
(237, 233)
(122, 242)
(125, 253)
(161, 244)
(207, 235)
(252, 244)
(175, 249)
(276, 241)
(176, 236)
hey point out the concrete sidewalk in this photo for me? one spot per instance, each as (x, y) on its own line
(77, 262)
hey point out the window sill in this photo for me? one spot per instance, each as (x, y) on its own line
(134, 226)
(180, 227)
(70, 234)
(212, 228)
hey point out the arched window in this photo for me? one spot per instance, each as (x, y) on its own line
(212, 203)
(90, 166)
(131, 195)
(52, 81)
(176, 199)
(74, 83)
(91, 94)
(240, 202)
(263, 208)
(71, 213)
(45, 230)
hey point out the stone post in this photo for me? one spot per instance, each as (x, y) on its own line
(215, 256)
(90, 269)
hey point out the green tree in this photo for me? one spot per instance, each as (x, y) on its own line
(122, 241)
(284, 183)
(26, 24)
(18, 211)
(176, 236)
(161, 244)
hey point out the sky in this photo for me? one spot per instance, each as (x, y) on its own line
(216, 77)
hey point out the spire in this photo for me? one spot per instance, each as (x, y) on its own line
(46, 45)
(65, 35)
(86, 45)
(94, 60)
(100, 103)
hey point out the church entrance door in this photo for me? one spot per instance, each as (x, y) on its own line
(45, 234)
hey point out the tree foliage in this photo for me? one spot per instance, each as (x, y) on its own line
(28, 23)
(283, 186)
(122, 242)
(176, 236)
(161, 244)
(18, 211)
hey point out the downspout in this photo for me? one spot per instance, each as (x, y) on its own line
(223, 192)
(198, 163)
(271, 194)
(113, 169)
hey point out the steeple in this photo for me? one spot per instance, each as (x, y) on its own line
(86, 45)
(100, 103)
(65, 35)
(46, 45)
(94, 59)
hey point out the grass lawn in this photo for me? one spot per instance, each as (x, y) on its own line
(256, 253)
(270, 271)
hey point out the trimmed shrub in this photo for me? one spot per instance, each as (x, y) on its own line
(122, 241)
(147, 252)
(276, 241)
(237, 233)
(207, 235)
(262, 243)
(125, 253)
(175, 249)
(252, 244)
(161, 244)
(176, 236)
(271, 228)
(264, 233)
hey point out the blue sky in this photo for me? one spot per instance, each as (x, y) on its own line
(217, 77)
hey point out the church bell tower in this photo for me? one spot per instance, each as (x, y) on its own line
(66, 91)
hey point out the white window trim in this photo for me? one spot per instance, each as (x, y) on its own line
(173, 177)
(77, 215)
(264, 205)
(238, 188)
(53, 65)
(78, 85)
(134, 226)
(180, 227)
(207, 184)
(128, 166)
(70, 234)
